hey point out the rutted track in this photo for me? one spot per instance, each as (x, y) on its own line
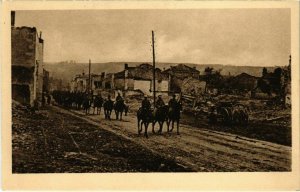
(202, 149)
(55, 141)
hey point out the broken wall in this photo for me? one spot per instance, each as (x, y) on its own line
(25, 50)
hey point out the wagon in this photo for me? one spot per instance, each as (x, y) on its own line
(229, 113)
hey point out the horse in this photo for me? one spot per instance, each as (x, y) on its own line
(108, 106)
(160, 116)
(174, 116)
(97, 103)
(144, 117)
(119, 108)
(240, 115)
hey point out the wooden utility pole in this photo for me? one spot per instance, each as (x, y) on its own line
(89, 85)
(153, 52)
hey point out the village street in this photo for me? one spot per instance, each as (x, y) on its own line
(69, 141)
(201, 149)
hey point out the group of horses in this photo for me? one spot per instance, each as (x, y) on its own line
(84, 101)
(168, 114)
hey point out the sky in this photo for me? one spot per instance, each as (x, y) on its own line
(253, 37)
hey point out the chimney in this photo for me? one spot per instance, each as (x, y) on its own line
(40, 34)
(12, 15)
(125, 66)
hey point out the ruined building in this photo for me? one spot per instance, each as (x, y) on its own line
(141, 78)
(81, 82)
(27, 64)
(178, 73)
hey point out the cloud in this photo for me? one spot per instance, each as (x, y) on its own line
(186, 36)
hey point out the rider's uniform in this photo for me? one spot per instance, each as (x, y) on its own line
(119, 98)
(159, 103)
(172, 103)
(146, 105)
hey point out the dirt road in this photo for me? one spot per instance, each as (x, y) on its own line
(53, 141)
(201, 149)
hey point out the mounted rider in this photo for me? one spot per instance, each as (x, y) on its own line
(119, 98)
(160, 102)
(173, 102)
(98, 100)
(146, 105)
(109, 99)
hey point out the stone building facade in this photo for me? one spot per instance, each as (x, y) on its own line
(141, 78)
(177, 74)
(80, 82)
(27, 48)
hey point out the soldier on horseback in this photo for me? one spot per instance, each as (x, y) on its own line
(119, 98)
(144, 115)
(108, 107)
(146, 105)
(109, 100)
(173, 102)
(120, 107)
(174, 113)
(160, 102)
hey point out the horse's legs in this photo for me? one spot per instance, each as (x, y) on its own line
(138, 121)
(121, 115)
(177, 126)
(172, 126)
(168, 125)
(117, 114)
(153, 125)
(146, 129)
(161, 123)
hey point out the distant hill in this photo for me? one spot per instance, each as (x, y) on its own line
(67, 71)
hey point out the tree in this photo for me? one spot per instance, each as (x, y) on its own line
(213, 78)
(208, 70)
(264, 86)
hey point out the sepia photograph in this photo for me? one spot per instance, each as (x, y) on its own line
(151, 90)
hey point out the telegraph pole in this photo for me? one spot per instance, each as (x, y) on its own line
(89, 85)
(153, 52)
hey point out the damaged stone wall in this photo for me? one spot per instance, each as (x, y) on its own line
(191, 86)
(45, 81)
(27, 65)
